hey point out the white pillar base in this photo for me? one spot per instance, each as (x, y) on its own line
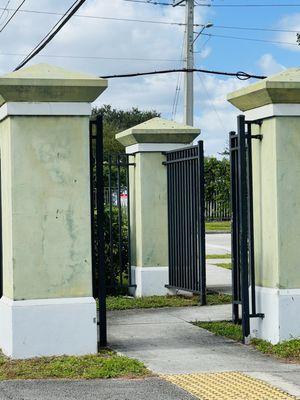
(150, 281)
(281, 308)
(52, 327)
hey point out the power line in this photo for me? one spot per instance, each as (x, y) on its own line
(12, 16)
(155, 3)
(240, 74)
(4, 9)
(214, 5)
(250, 39)
(211, 101)
(255, 29)
(95, 57)
(146, 21)
(101, 17)
(178, 84)
(177, 93)
(247, 5)
(53, 32)
(203, 47)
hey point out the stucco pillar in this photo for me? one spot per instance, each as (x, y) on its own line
(275, 102)
(148, 199)
(47, 306)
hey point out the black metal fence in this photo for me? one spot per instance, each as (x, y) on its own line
(186, 224)
(243, 269)
(117, 250)
(217, 210)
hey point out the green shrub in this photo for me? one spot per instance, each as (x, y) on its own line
(116, 256)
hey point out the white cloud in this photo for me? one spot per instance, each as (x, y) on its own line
(214, 115)
(269, 65)
(92, 37)
(291, 23)
(205, 52)
(218, 116)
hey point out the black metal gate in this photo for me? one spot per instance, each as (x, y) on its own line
(97, 226)
(186, 224)
(117, 239)
(243, 268)
(110, 224)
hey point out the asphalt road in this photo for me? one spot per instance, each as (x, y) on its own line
(114, 389)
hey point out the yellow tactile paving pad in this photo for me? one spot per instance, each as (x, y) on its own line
(227, 386)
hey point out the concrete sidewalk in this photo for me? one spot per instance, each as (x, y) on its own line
(168, 344)
(217, 278)
(218, 243)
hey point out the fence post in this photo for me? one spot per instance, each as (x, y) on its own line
(272, 106)
(47, 306)
(148, 193)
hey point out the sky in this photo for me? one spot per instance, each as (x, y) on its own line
(113, 47)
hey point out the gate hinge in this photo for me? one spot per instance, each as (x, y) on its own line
(259, 137)
(258, 315)
(257, 122)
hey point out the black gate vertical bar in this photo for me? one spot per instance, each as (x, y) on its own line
(243, 231)
(112, 266)
(120, 237)
(194, 174)
(176, 219)
(180, 223)
(234, 226)
(100, 234)
(201, 227)
(250, 219)
(185, 190)
(170, 222)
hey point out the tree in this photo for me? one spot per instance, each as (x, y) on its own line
(115, 121)
(217, 180)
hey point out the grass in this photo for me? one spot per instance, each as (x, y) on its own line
(223, 328)
(214, 299)
(288, 350)
(222, 226)
(127, 303)
(104, 365)
(224, 265)
(218, 256)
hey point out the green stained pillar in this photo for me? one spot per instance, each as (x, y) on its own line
(275, 103)
(147, 143)
(47, 306)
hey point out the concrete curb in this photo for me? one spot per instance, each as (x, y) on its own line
(217, 232)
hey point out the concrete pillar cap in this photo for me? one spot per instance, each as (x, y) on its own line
(48, 83)
(282, 88)
(158, 130)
